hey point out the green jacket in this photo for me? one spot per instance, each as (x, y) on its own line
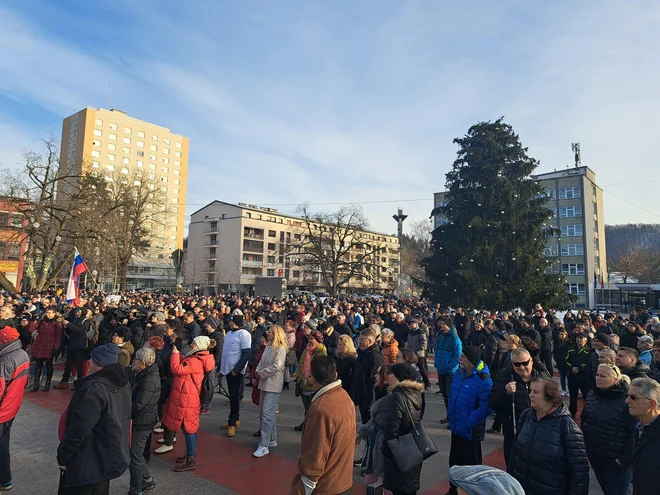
(308, 385)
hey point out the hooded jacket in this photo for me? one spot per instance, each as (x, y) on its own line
(495, 350)
(184, 403)
(448, 348)
(14, 365)
(145, 391)
(403, 397)
(364, 374)
(467, 407)
(548, 455)
(95, 446)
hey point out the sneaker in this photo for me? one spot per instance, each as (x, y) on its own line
(492, 430)
(285, 386)
(226, 425)
(188, 465)
(444, 421)
(164, 449)
(272, 444)
(231, 431)
(357, 462)
(260, 452)
(62, 386)
(5, 487)
(162, 440)
(257, 433)
(149, 484)
(563, 393)
(299, 427)
(204, 411)
(159, 430)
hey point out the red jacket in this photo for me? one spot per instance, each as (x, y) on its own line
(184, 404)
(14, 364)
(49, 338)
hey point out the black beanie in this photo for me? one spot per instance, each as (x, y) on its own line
(404, 371)
(472, 353)
(499, 324)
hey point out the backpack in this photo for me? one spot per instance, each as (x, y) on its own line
(209, 384)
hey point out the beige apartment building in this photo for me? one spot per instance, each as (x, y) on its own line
(578, 254)
(110, 140)
(229, 245)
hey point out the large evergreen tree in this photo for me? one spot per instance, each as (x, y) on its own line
(488, 253)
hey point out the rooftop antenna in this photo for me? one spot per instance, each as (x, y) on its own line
(109, 96)
(578, 155)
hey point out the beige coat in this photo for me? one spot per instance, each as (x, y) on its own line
(270, 369)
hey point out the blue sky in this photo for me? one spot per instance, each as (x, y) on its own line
(340, 101)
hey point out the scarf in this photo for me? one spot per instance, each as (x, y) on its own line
(307, 364)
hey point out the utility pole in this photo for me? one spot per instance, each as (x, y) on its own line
(399, 218)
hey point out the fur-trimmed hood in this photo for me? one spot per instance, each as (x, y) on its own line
(407, 384)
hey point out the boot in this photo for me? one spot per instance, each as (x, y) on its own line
(285, 386)
(37, 380)
(181, 459)
(49, 377)
(226, 425)
(188, 465)
(62, 385)
(231, 431)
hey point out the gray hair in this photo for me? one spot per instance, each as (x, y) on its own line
(386, 332)
(400, 315)
(147, 355)
(376, 328)
(520, 352)
(649, 388)
(608, 353)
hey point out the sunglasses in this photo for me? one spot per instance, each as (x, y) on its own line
(520, 365)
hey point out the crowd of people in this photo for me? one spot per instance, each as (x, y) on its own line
(145, 364)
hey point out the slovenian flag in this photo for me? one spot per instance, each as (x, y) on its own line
(79, 266)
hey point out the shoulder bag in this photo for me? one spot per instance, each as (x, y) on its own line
(411, 449)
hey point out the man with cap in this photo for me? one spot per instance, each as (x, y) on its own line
(95, 431)
(644, 346)
(236, 353)
(468, 410)
(14, 365)
(483, 480)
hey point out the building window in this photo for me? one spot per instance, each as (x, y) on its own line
(571, 230)
(570, 211)
(96, 153)
(141, 134)
(140, 154)
(178, 145)
(154, 147)
(96, 142)
(127, 161)
(177, 154)
(124, 171)
(596, 244)
(110, 167)
(177, 163)
(594, 207)
(97, 132)
(98, 122)
(251, 271)
(152, 166)
(126, 151)
(271, 246)
(17, 220)
(152, 176)
(111, 157)
(212, 252)
(166, 160)
(154, 138)
(163, 179)
(166, 141)
(4, 218)
(95, 164)
(595, 225)
(177, 182)
(14, 251)
(140, 144)
(112, 147)
(572, 250)
(177, 172)
(551, 194)
(593, 191)
(271, 260)
(272, 233)
(112, 136)
(270, 272)
(153, 158)
(139, 163)
(127, 130)
(577, 289)
(175, 191)
(165, 170)
(113, 126)
(166, 151)
(296, 273)
(127, 140)
(570, 192)
(572, 269)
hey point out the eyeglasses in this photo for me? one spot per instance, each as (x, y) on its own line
(520, 365)
(634, 397)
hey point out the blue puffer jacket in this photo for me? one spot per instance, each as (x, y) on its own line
(448, 348)
(468, 409)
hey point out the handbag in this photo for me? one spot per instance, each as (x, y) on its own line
(411, 449)
(298, 390)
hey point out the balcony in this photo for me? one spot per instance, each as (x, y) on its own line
(256, 264)
(211, 243)
(212, 231)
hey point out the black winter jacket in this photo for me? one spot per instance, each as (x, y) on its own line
(646, 452)
(479, 339)
(398, 423)
(606, 423)
(137, 333)
(145, 395)
(79, 333)
(546, 338)
(345, 370)
(532, 333)
(640, 370)
(500, 401)
(495, 351)
(364, 374)
(578, 358)
(95, 446)
(548, 455)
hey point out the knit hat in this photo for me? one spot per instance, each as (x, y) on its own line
(404, 371)
(604, 339)
(484, 480)
(645, 339)
(316, 335)
(105, 355)
(8, 334)
(472, 353)
(311, 324)
(499, 324)
(202, 342)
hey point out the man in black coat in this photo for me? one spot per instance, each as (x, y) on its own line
(341, 327)
(509, 396)
(368, 361)
(644, 404)
(546, 344)
(401, 329)
(145, 395)
(94, 446)
(527, 330)
(137, 332)
(577, 361)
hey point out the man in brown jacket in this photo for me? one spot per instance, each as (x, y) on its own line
(325, 465)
